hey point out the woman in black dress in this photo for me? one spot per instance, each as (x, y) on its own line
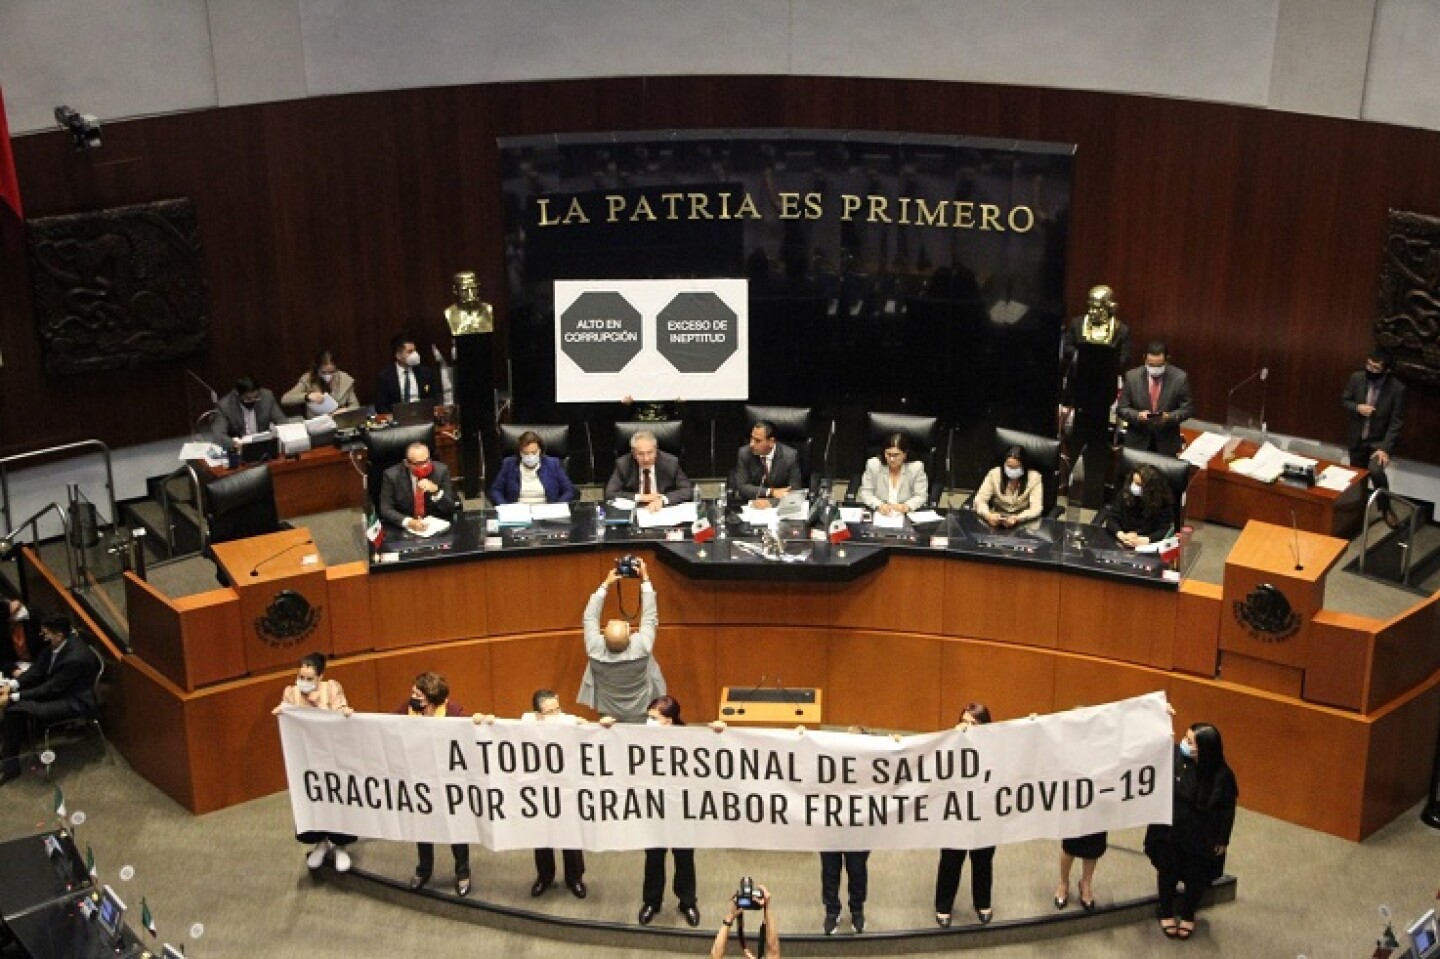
(1087, 849)
(952, 861)
(1192, 849)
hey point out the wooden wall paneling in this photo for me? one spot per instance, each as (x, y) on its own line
(1115, 621)
(466, 666)
(1082, 681)
(262, 653)
(152, 731)
(1337, 672)
(1011, 680)
(1196, 646)
(1402, 742)
(680, 599)
(746, 657)
(234, 741)
(519, 666)
(350, 619)
(430, 605)
(1261, 674)
(992, 601)
(782, 604)
(885, 680)
(193, 641)
(1406, 652)
(905, 595)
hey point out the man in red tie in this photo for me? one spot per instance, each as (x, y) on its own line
(417, 488)
(1155, 400)
(649, 474)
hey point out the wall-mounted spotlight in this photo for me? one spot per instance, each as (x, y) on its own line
(84, 128)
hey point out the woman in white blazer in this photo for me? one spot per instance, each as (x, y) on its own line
(892, 482)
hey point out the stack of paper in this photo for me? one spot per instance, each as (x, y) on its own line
(1203, 449)
(668, 516)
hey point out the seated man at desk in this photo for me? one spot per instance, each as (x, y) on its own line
(649, 474)
(1154, 401)
(416, 488)
(247, 409)
(60, 685)
(404, 380)
(766, 469)
(530, 476)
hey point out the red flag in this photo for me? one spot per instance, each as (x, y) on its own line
(839, 532)
(702, 531)
(9, 183)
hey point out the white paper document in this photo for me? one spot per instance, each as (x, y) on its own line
(759, 517)
(203, 451)
(893, 521)
(544, 511)
(622, 502)
(667, 516)
(925, 516)
(431, 525)
(1203, 449)
(1336, 478)
(852, 514)
(513, 514)
(326, 406)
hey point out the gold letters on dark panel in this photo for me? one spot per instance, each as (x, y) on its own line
(118, 288)
(1408, 320)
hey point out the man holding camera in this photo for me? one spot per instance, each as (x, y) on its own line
(622, 677)
(750, 897)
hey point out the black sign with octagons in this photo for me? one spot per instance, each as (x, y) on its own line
(601, 331)
(697, 332)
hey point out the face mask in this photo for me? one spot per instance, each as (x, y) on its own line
(306, 686)
(327, 377)
(1372, 376)
(248, 404)
(417, 705)
(531, 460)
(1185, 749)
(1135, 490)
(1156, 371)
(420, 472)
(412, 359)
(652, 721)
(1014, 472)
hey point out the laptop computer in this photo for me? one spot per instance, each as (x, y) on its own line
(413, 413)
(260, 450)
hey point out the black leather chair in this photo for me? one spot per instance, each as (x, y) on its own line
(792, 427)
(240, 505)
(554, 439)
(669, 436)
(924, 435)
(1176, 471)
(387, 447)
(1044, 456)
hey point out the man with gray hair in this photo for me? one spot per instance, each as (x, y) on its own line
(622, 677)
(650, 475)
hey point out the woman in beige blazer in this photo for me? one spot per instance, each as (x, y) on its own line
(892, 482)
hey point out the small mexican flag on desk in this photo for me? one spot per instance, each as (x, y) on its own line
(374, 532)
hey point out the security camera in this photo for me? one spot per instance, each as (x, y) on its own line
(84, 128)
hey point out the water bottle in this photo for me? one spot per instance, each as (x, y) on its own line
(600, 520)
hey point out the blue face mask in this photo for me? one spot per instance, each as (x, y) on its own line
(1185, 749)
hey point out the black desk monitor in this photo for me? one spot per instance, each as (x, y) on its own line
(259, 451)
(1423, 939)
(413, 413)
(111, 914)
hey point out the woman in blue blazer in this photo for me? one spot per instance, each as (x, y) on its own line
(531, 476)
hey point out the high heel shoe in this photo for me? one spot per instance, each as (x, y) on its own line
(1062, 901)
(942, 919)
(1087, 904)
(985, 915)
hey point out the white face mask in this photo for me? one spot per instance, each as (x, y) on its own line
(412, 359)
(306, 686)
(1014, 472)
(1155, 371)
(327, 377)
(1135, 490)
(20, 615)
(652, 721)
(531, 460)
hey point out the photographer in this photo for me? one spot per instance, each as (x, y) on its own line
(622, 677)
(747, 899)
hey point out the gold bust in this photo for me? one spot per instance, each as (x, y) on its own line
(469, 314)
(1100, 321)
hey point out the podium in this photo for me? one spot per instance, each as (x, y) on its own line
(1274, 586)
(771, 706)
(284, 597)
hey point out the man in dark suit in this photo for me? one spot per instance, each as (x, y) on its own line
(1375, 401)
(766, 469)
(59, 686)
(405, 379)
(417, 488)
(649, 474)
(247, 409)
(1154, 401)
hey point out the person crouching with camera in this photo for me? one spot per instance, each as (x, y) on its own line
(749, 898)
(622, 677)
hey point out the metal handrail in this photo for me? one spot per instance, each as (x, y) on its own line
(188, 469)
(49, 451)
(1367, 522)
(7, 542)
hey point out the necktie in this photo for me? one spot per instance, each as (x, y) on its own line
(1154, 394)
(1372, 393)
(645, 481)
(419, 502)
(764, 470)
(405, 395)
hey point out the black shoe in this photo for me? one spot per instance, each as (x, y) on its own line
(691, 914)
(539, 888)
(578, 888)
(831, 924)
(1087, 904)
(985, 915)
(418, 880)
(857, 922)
(647, 912)
(942, 919)
(462, 886)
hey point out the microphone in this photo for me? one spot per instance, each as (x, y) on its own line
(255, 570)
(752, 691)
(799, 711)
(1263, 375)
(1295, 545)
(209, 390)
(825, 457)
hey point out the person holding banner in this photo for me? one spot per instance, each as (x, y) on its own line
(1192, 848)
(1143, 512)
(893, 483)
(665, 711)
(1088, 849)
(621, 675)
(546, 709)
(952, 861)
(312, 691)
(430, 696)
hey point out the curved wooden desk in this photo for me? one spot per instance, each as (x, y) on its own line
(903, 647)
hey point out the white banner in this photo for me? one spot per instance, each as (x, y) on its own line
(652, 340)
(514, 785)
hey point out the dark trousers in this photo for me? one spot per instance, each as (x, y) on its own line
(1174, 865)
(337, 839)
(574, 866)
(857, 866)
(427, 859)
(19, 716)
(1361, 457)
(653, 893)
(947, 877)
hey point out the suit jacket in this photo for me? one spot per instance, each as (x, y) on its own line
(342, 387)
(397, 494)
(914, 491)
(749, 469)
(670, 479)
(67, 676)
(229, 420)
(388, 391)
(1174, 399)
(558, 488)
(1387, 419)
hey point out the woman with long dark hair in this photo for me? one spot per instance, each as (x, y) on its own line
(952, 861)
(1144, 511)
(665, 711)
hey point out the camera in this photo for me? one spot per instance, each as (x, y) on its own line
(628, 566)
(747, 897)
